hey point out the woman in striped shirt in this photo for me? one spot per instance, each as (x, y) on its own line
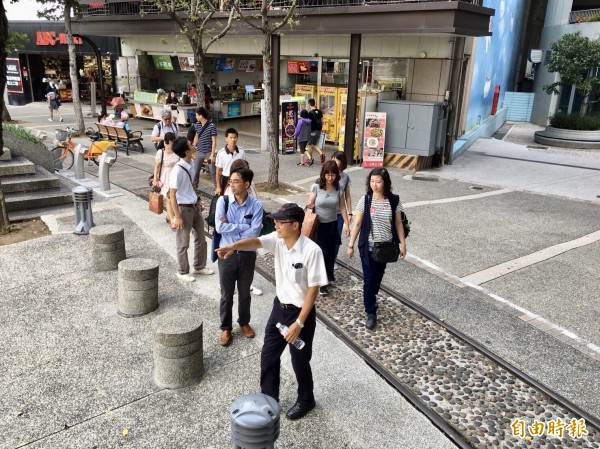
(378, 218)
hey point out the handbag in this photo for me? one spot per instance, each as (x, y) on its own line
(151, 177)
(155, 202)
(385, 252)
(310, 223)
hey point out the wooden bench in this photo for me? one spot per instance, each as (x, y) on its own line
(120, 136)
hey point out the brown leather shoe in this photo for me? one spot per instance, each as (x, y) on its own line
(248, 331)
(226, 337)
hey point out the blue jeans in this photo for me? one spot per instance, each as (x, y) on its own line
(373, 274)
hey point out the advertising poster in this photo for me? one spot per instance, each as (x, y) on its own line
(247, 65)
(14, 82)
(224, 64)
(186, 63)
(374, 139)
(289, 117)
(234, 109)
(298, 67)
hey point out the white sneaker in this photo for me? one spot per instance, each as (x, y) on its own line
(50, 120)
(255, 290)
(336, 266)
(62, 119)
(205, 271)
(186, 277)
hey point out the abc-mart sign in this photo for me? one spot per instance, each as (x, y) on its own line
(45, 38)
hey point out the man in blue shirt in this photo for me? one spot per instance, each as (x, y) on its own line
(242, 219)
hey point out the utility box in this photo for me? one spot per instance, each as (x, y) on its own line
(414, 127)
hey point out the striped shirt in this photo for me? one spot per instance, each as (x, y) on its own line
(381, 218)
(204, 144)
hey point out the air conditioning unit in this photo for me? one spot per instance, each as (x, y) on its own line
(530, 70)
(535, 56)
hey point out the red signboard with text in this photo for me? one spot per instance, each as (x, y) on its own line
(44, 38)
(298, 67)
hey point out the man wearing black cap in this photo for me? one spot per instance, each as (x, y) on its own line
(299, 272)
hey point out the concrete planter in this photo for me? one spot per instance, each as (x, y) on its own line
(34, 152)
(568, 138)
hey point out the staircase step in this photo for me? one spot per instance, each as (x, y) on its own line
(41, 180)
(17, 166)
(41, 198)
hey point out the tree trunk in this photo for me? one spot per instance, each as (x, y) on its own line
(3, 38)
(5, 114)
(79, 123)
(272, 144)
(198, 71)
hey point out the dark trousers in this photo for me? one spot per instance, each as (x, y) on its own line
(327, 239)
(373, 274)
(274, 344)
(340, 228)
(239, 267)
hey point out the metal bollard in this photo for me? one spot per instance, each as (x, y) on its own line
(103, 172)
(79, 156)
(254, 422)
(82, 200)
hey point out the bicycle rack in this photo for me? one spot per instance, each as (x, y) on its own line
(79, 157)
(105, 162)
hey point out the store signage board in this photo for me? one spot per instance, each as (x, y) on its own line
(289, 117)
(186, 63)
(298, 67)
(44, 38)
(14, 82)
(247, 65)
(374, 139)
(162, 62)
(224, 64)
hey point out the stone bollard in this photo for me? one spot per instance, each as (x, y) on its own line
(254, 422)
(138, 287)
(177, 349)
(108, 247)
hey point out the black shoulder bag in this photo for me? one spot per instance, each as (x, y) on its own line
(384, 252)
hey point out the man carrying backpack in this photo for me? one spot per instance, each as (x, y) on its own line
(316, 125)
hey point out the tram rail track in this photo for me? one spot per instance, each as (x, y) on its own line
(471, 394)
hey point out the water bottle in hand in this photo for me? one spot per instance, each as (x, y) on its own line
(283, 329)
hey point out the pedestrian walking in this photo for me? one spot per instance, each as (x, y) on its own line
(236, 220)
(302, 136)
(225, 157)
(325, 197)
(165, 160)
(339, 157)
(187, 213)
(53, 102)
(164, 126)
(316, 126)
(206, 145)
(378, 218)
(299, 272)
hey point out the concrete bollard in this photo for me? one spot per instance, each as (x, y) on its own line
(79, 156)
(254, 422)
(103, 172)
(177, 349)
(108, 247)
(82, 201)
(138, 287)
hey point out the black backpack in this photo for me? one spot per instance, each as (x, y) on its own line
(212, 210)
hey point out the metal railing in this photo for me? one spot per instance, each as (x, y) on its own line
(148, 7)
(588, 15)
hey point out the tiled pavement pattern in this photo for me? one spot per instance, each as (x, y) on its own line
(472, 393)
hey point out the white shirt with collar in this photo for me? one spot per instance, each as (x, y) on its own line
(224, 159)
(292, 283)
(179, 179)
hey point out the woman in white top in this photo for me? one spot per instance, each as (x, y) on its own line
(378, 218)
(168, 158)
(325, 198)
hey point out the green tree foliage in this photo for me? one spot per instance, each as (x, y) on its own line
(576, 59)
(16, 41)
(195, 20)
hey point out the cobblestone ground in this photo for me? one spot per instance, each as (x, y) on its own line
(478, 398)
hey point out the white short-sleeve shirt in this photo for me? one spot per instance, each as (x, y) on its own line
(224, 159)
(180, 180)
(296, 269)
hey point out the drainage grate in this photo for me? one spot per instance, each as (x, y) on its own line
(476, 188)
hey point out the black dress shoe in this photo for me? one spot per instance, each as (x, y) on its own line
(300, 409)
(371, 321)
